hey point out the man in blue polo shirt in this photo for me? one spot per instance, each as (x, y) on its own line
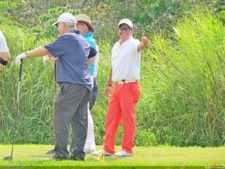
(74, 55)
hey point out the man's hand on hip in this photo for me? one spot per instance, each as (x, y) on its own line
(1, 66)
(108, 90)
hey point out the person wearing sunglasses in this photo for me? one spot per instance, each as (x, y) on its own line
(124, 74)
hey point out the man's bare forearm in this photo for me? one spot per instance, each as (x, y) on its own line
(38, 52)
(6, 56)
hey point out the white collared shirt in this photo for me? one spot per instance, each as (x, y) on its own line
(126, 60)
(3, 44)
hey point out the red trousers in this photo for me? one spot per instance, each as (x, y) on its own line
(122, 108)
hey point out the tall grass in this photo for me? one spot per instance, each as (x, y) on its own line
(36, 99)
(185, 87)
(182, 84)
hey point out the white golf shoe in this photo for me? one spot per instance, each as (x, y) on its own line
(103, 152)
(123, 153)
(89, 150)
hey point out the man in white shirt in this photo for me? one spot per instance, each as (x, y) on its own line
(4, 51)
(125, 73)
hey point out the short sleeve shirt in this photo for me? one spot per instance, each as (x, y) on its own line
(3, 44)
(94, 66)
(126, 60)
(72, 52)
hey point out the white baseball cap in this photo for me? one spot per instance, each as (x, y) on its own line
(126, 21)
(67, 18)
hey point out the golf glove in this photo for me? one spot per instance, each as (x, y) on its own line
(19, 58)
(45, 59)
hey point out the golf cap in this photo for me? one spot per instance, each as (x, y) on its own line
(126, 21)
(67, 18)
(86, 19)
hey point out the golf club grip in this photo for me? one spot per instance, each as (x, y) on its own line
(21, 67)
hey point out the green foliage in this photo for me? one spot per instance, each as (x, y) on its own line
(149, 16)
(145, 138)
(34, 118)
(51, 16)
(186, 79)
(6, 5)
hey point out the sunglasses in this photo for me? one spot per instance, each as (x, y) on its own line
(125, 28)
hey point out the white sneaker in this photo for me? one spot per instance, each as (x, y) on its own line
(103, 152)
(89, 150)
(123, 153)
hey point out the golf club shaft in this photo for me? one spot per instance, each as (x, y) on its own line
(17, 107)
(18, 89)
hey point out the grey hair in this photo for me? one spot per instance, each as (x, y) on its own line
(71, 25)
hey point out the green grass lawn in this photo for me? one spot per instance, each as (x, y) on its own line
(195, 157)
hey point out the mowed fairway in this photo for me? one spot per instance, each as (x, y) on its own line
(35, 155)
